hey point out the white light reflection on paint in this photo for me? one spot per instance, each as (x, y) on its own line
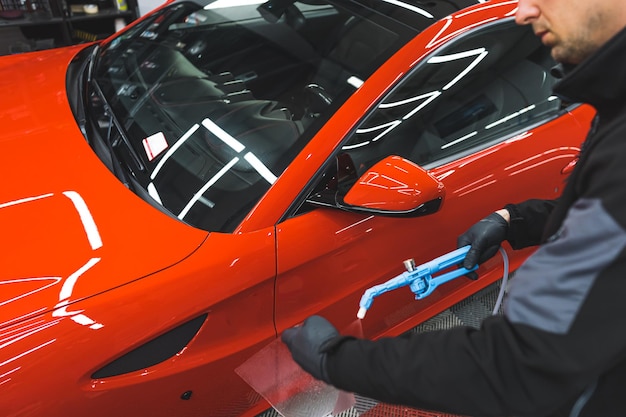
(23, 317)
(436, 40)
(447, 21)
(68, 285)
(354, 225)
(564, 152)
(476, 185)
(65, 294)
(4, 375)
(16, 357)
(54, 280)
(445, 174)
(24, 332)
(95, 242)
(542, 162)
(24, 200)
(14, 334)
(87, 219)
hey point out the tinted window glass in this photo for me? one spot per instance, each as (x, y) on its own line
(210, 102)
(480, 89)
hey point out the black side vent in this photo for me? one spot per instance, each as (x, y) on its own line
(154, 351)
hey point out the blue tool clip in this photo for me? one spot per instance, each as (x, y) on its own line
(419, 279)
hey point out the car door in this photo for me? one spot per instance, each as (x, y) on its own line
(479, 115)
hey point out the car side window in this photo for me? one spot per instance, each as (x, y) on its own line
(475, 91)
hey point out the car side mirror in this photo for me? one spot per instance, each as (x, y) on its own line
(395, 187)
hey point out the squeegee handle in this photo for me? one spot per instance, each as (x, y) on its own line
(425, 284)
(419, 279)
(449, 259)
(433, 283)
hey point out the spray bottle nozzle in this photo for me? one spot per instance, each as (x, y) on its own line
(419, 278)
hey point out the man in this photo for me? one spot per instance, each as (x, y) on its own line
(560, 347)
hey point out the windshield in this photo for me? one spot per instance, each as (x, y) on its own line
(205, 105)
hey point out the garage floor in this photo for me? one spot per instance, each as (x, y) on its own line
(469, 312)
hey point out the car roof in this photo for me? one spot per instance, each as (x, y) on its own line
(415, 14)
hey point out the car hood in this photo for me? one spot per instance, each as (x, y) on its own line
(69, 228)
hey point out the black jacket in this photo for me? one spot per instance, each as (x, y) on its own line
(560, 347)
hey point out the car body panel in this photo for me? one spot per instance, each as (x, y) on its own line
(304, 281)
(63, 261)
(64, 231)
(239, 322)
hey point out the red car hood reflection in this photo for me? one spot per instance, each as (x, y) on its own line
(69, 228)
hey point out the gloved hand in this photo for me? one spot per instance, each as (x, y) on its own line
(485, 238)
(309, 345)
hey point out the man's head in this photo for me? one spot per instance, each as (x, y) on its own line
(574, 29)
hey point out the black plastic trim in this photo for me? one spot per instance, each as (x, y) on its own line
(153, 352)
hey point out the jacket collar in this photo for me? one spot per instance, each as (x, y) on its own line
(600, 80)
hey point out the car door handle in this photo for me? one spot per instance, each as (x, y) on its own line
(569, 167)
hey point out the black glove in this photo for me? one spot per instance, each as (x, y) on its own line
(310, 343)
(485, 238)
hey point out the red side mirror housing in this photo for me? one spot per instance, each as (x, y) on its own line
(396, 186)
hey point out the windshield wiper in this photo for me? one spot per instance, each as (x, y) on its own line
(92, 62)
(78, 99)
(120, 173)
(122, 138)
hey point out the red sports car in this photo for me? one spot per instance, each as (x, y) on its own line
(177, 195)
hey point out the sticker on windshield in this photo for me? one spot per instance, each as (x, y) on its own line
(154, 145)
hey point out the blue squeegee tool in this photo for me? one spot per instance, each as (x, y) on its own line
(420, 278)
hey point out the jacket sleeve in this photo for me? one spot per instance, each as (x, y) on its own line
(528, 221)
(557, 336)
(489, 371)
